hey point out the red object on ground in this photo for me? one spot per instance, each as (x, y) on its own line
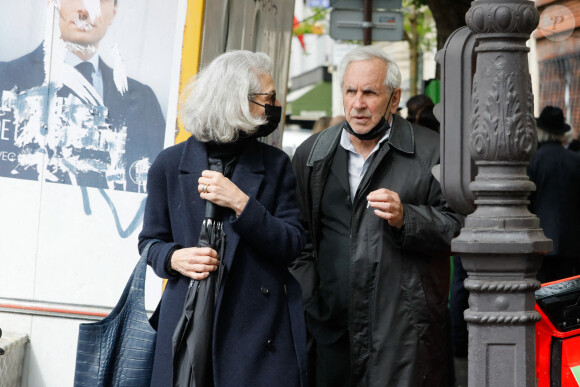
(558, 333)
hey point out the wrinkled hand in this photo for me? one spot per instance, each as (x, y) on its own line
(221, 191)
(195, 262)
(388, 206)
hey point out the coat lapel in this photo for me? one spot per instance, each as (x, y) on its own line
(401, 138)
(193, 162)
(111, 97)
(320, 158)
(248, 176)
(339, 167)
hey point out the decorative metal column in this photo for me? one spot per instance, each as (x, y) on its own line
(501, 240)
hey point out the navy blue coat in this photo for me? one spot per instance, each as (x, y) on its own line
(259, 339)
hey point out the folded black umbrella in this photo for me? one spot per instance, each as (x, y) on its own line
(192, 338)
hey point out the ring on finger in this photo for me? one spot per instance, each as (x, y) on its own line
(204, 188)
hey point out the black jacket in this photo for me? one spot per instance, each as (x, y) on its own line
(556, 201)
(399, 281)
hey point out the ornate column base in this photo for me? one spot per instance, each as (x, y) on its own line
(501, 318)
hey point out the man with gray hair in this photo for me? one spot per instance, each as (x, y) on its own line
(375, 271)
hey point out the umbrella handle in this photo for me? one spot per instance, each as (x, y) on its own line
(211, 210)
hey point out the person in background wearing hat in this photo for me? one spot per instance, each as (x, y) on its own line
(556, 172)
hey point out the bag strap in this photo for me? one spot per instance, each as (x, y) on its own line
(138, 276)
(135, 288)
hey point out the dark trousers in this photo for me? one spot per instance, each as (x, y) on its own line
(458, 302)
(332, 364)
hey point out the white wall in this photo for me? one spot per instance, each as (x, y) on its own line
(318, 47)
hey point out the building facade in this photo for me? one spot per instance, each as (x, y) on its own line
(558, 56)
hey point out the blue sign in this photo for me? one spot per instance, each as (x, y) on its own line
(319, 3)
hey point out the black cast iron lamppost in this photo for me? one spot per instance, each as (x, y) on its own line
(501, 242)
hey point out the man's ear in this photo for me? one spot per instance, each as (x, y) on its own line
(395, 100)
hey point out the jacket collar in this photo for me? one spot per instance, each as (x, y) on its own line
(194, 158)
(401, 138)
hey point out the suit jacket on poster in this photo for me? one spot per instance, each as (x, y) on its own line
(259, 330)
(399, 281)
(138, 109)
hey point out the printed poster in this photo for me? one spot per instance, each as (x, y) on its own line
(102, 129)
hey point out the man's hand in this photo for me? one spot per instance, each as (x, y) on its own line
(388, 206)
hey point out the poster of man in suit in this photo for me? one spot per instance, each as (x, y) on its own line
(71, 109)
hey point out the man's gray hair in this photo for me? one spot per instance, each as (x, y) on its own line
(545, 136)
(215, 105)
(393, 78)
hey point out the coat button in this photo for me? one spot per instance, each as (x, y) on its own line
(264, 290)
(269, 343)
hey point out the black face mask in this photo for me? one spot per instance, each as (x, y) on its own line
(377, 131)
(273, 117)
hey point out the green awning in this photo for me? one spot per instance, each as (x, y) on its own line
(314, 104)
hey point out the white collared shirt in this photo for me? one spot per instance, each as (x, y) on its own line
(74, 60)
(357, 165)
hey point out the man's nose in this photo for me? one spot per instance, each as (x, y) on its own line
(359, 101)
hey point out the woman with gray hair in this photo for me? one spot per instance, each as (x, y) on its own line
(259, 335)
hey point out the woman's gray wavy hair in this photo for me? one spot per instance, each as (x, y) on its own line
(393, 78)
(215, 105)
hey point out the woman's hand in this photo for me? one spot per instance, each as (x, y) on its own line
(220, 190)
(195, 262)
